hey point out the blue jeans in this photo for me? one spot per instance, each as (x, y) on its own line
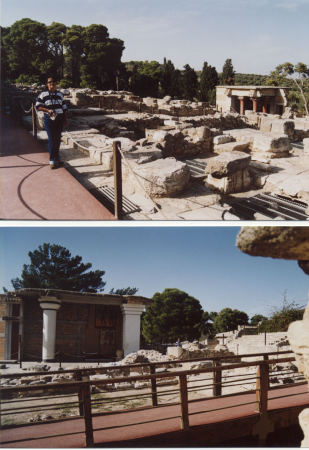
(53, 129)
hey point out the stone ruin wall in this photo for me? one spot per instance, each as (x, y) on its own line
(157, 135)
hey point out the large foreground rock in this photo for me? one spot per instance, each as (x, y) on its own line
(285, 243)
(227, 163)
(160, 178)
(277, 242)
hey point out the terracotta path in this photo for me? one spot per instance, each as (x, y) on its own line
(31, 191)
(70, 433)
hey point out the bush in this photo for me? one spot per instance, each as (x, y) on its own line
(27, 79)
(65, 83)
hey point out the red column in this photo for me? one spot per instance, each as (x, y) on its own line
(254, 101)
(264, 107)
(242, 106)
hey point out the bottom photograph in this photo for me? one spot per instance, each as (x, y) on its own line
(165, 336)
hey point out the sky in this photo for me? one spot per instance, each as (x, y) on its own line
(257, 35)
(202, 261)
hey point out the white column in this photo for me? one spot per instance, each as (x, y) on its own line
(50, 306)
(131, 327)
(8, 332)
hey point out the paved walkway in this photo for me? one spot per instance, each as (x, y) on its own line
(31, 191)
(129, 425)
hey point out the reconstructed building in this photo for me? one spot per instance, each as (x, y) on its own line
(266, 99)
(40, 324)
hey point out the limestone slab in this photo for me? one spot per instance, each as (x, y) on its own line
(227, 163)
(160, 178)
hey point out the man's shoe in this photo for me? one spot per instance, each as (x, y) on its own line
(52, 165)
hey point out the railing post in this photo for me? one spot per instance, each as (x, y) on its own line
(154, 394)
(34, 127)
(183, 390)
(266, 358)
(217, 379)
(262, 383)
(78, 377)
(87, 414)
(117, 180)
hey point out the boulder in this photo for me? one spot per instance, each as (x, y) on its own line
(227, 163)
(276, 242)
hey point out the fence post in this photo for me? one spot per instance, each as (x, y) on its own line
(266, 358)
(154, 394)
(78, 377)
(217, 379)
(117, 180)
(87, 414)
(262, 383)
(34, 127)
(183, 390)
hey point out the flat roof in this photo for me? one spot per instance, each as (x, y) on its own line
(64, 294)
(252, 87)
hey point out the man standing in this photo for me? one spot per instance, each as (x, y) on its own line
(51, 102)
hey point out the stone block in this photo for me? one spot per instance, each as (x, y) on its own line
(281, 126)
(227, 163)
(266, 124)
(267, 142)
(306, 145)
(223, 139)
(175, 352)
(231, 147)
(144, 151)
(238, 181)
(160, 178)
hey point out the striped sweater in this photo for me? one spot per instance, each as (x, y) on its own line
(52, 100)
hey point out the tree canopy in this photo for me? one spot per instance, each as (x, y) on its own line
(228, 320)
(257, 319)
(173, 314)
(53, 267)
(83, 56)
(282, 316)
(208, 82)
(228, 73)
(298, 74)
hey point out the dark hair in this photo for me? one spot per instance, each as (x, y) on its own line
(51, 79)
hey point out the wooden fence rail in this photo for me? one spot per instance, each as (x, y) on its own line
(82, 387)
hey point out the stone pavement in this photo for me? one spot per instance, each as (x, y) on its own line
(31, 191)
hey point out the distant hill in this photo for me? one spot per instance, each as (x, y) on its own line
(250, 79)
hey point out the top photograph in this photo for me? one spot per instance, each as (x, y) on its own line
(173, 111)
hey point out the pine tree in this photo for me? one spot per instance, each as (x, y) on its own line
(208, 82)
(228, 74)
(190, 83)
(53, 267)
